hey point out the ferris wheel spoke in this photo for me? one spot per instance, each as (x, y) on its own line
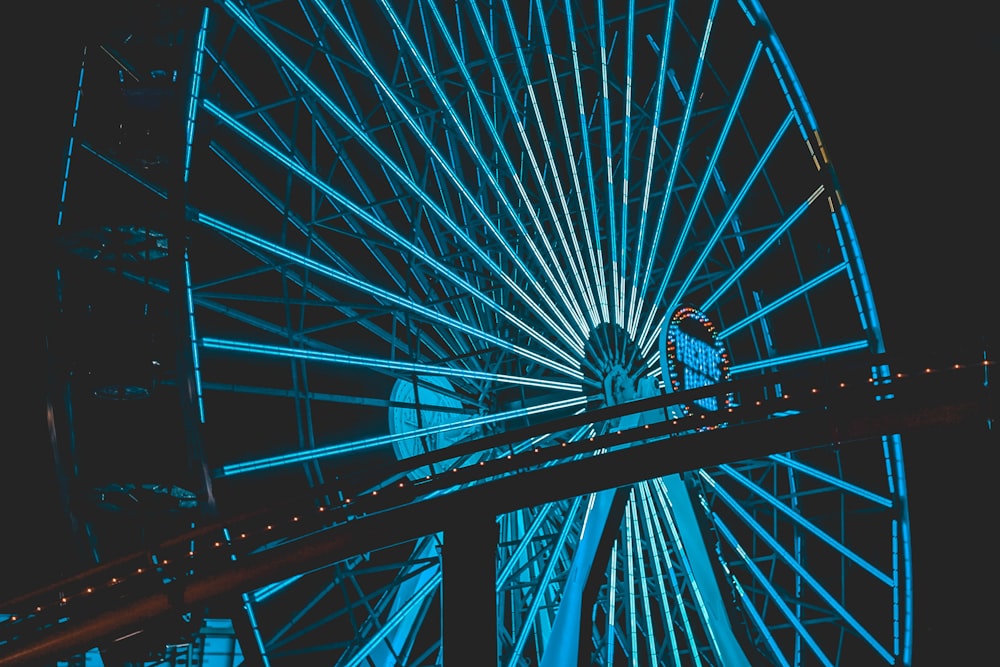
(381, 441)
(767, 244)
(835, 482)
(609, 159)
(365, 139)
(657, 544)
(707, 598)
(401, 301)
(795, 517)
(561, 222)
(539, 593)
(762, 580)
(703, 184)
(720, 227)
(640, 550)
(549, 262)
(587, 286)
(551, 265)
(594, 247)
(794, 565)
(639, 267)
(804, 288)
(674, 165)
(373, 363)
(473, 149)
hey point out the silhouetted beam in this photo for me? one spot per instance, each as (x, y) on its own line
(842, 422)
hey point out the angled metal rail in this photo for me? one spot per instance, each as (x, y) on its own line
(132, 594)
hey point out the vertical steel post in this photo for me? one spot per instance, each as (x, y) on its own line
(469, 597)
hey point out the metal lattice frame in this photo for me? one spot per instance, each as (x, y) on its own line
(413, 223)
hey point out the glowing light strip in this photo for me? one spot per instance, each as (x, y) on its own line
(901, 543)
(550, 158)
(658, 545)
(762, 628)
(476, 152)
(630, 621)
(378, 292)
(192, 332)
(678, 152)
(587, 286)
(561, 286)
(774, 305)
(321, 185)
(389, 624)
(723, 223)
(72, 140)
(764, 581)
(609, 167)
(262, 594)
(368, 443)
(766, 245)
(666, 511)
(365, 139)
(788, 461)
(797, 548)
(643, 586)
(529, 153)
(654, 129)
(255, 630)
(763, 535)
(593, 241)
(536, 170)
(612, 585)
(720, 142)
(525, 538)
(626, 141)
(806, 525)
(199, 58)
(379, 363)
(529, 619)
(801, 356)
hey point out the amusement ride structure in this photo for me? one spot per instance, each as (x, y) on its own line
(421, 332)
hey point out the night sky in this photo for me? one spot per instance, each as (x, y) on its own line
(906, 100)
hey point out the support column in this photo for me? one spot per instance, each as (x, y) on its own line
(469, 596)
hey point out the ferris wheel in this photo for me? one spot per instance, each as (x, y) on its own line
(386, 228)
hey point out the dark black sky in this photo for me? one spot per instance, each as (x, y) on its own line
(906, 99)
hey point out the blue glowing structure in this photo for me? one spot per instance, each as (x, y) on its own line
(401, 225)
